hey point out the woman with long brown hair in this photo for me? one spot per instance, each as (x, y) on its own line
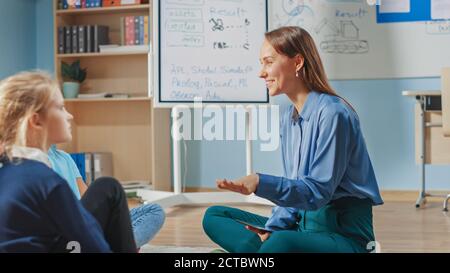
(324, 198)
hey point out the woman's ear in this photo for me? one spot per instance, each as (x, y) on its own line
(299, 62)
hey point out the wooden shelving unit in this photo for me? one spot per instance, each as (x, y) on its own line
(136, 133)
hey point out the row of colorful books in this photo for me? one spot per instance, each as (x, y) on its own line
(81, 4)
(134, 30)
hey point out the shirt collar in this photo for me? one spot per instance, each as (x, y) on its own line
(31, 154)
(52, 149)
(308, 108)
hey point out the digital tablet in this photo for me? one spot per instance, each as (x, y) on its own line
(261, 227)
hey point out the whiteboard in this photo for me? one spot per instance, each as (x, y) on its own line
(209, 49)
(353, 46)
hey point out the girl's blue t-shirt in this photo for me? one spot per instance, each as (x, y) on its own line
(63, 164)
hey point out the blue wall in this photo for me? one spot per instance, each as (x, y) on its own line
(18, 41)
(44, 39)
(387, 120)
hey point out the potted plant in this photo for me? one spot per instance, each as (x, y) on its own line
(73, 76)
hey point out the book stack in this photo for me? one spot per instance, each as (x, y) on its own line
(82, 39)
(104, 95)
(131, 187)
(124, 49)
(82, 4)
(134, 30)
(79, 4)
(93, 165)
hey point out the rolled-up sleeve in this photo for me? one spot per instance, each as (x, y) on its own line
(282, 219)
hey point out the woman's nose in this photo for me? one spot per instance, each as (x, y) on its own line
(262, 74)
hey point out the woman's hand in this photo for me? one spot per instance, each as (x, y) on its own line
(263, 235)
(245, 185)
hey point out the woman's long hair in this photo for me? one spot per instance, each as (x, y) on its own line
(292, 41)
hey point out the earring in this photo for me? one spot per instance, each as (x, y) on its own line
(296, 73)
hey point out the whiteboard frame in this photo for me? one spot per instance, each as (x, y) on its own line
(155, 67)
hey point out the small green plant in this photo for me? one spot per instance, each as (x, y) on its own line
(73, 72)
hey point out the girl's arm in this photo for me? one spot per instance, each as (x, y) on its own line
(81, 186)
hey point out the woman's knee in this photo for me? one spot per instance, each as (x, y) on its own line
(210, 214)
(278, 242)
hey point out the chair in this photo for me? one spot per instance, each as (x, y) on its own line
(445, 93)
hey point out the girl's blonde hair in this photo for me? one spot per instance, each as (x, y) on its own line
(21, 96)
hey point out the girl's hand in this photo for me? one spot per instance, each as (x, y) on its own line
(245, 185)
(263, 235)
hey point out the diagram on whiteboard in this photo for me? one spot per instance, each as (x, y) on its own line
(293, 12)
(333, 24)
(210, 50)
(342, 38)
(348, 37)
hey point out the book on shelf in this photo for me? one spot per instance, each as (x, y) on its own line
(89, 39)
(93, 3)
(75, 39)
(133, 2)
(137, 30)
(82, 4)
(61, 40)
(82, 47)
(111, 3)
(129, 30)
(97, 3)
(82, 39)
(135, 184)
(71, 4)
(134, 30)
(122, 30)
(101, 36)
(93, 165)
(146, 31)
(68, 38)
(131, 187)
(124, 49)
(103, 95)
